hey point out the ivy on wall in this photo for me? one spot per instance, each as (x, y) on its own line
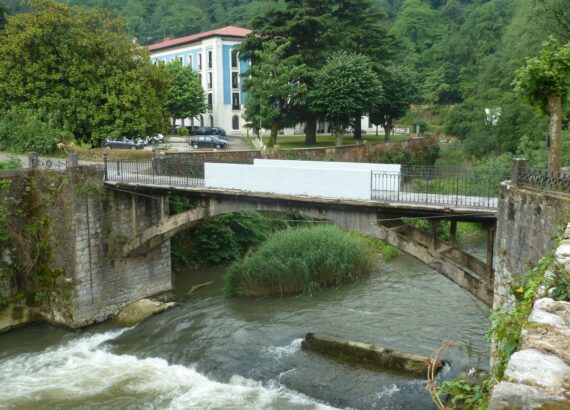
(26, 251)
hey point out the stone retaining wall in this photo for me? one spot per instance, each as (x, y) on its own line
(527, 222)
(365, 152)
(88, 226)
(538, 375)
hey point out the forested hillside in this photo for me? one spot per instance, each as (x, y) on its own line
(462, 53)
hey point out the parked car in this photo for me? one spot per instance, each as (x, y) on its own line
(207, 141)
(124, 143)
(193, 129)
(217, 131)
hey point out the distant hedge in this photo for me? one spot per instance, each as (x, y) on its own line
(301, 260)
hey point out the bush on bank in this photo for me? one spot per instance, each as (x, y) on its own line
(301, 260)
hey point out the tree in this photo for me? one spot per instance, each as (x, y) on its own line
(275, 88)
(315, 29)
(185, 94)
(545, 80)
(400, 92)
(81, 68)
(345, 87)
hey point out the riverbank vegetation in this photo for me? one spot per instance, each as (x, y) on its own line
(507, 325)
(301, 260)
(229, 237)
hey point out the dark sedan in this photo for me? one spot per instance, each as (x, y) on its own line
(124, 143)
(216, 131)
(207, 141)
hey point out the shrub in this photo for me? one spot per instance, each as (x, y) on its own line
(12, 162)
(182, 131)
(24, 130)
(301, 260)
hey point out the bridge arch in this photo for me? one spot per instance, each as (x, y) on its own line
(465, 270)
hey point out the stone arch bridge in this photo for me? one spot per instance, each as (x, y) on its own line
(383, 219)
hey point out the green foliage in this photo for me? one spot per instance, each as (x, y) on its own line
(345, 88)
(185, 95)
(182, 131)
(377, 246)
(227, 237)
(80, 68)
(407, 157)
(25, 235)
(276, 88)
(507, 323)
(545, 75)
(300, 260)
(466, 395)
(12, 162)
(400, 91)
(24, 130)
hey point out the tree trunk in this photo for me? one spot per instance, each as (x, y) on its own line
(387, 128)
(377, 130)
(387, 131)
(311, 130)
(273, 135)
(358, 128)
(555, 111)
(173, 128)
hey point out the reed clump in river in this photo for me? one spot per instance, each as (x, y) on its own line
(302, 260)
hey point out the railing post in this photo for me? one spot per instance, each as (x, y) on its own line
(72, 160)
(105, 166)
(33, 159)
(519, 164)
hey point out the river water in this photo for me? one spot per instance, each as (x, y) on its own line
(210, 352)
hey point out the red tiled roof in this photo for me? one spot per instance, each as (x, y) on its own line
(229, 31)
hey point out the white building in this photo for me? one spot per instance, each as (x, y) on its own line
(213, 54)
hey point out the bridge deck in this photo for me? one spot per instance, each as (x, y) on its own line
(461, 209)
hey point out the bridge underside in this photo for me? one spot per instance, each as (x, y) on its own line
(384, 223)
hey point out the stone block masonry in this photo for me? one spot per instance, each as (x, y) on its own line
(527, 223)
(88, 227)
(538, 375)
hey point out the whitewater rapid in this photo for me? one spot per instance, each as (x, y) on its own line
(85, 370)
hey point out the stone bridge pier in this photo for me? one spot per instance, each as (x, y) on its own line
(104, 279)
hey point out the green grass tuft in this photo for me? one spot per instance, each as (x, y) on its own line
(301, 260)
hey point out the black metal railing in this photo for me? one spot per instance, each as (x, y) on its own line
(461, 187)
(159, 171)
(551, 181)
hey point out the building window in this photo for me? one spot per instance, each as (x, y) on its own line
(201, 120)
(210, 59)
(234, 58)
(211, 120)
(190, 60)
(209, 81)
(235, 80)
(200, 61)
(180, 59)
(235, 122)
(210, 101)
(235, 101)
(172, 59)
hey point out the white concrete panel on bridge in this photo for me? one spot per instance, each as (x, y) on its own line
(331, 165)
(316, 182)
